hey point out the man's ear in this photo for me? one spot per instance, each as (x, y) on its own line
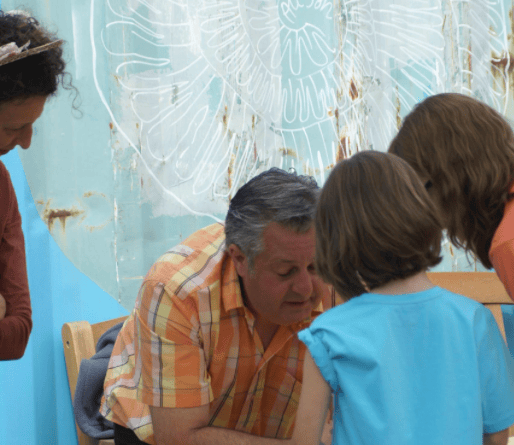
(239, 259)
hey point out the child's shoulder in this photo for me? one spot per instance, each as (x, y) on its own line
(438, 298)
(460, 301)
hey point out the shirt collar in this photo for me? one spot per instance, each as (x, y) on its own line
(230, 289)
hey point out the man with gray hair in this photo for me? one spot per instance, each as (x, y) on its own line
(210, 354)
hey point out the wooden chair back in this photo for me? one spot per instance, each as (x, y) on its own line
(79, 340)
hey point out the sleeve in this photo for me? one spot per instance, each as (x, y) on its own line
(496, 368)
(15, 328)
(169, 350)
(320, 355)
(502, 259)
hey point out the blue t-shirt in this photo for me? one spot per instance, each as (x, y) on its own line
(423, 368)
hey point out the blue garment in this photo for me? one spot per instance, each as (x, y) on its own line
(423, 368)
(90, 387)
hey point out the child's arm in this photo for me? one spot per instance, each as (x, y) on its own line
(313, 407)
(499, 438)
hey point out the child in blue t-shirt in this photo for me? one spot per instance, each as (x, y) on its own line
(407, 362)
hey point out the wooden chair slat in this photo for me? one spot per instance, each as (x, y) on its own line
(79, 340)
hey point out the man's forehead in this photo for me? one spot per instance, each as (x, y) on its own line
(286, 246)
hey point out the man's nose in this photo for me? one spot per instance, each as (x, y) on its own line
(302, 284)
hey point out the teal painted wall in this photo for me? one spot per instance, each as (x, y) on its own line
(36, 405)
(39, 410)
(81, 271)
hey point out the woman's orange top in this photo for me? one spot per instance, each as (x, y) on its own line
(501, 252)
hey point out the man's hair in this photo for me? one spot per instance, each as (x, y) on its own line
(36, 75)
(273, 196)
(466, 150)
(375, 223)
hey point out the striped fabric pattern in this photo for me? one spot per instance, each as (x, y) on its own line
(190, 342)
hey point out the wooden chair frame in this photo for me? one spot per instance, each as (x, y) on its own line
(80, 338)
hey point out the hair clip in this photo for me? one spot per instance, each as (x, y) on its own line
(11, 49)
(10, 52)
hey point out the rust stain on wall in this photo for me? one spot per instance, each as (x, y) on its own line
(398, 110)
(502, 62)
(342, 143)
(225, 117)
(286, 151)
(342, 152)
(50, 215)
(90, 194)
(230, 172)
(353, 91)
(502, 66)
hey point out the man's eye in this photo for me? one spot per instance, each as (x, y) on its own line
(13, 130)
(287, 274)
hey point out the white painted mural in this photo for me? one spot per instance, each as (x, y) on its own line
(194, 97)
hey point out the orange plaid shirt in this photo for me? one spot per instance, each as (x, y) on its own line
(190, 341)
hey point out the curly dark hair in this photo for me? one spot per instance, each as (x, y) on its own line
(36, 75)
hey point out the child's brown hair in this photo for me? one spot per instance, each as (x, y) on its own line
(464, 150)
(375, 223)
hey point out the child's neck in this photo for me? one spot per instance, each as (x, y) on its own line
(416, 283)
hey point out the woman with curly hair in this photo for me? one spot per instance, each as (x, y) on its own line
(464, 152)
(31, 69)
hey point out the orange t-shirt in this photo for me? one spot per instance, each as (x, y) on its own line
(501, 252)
